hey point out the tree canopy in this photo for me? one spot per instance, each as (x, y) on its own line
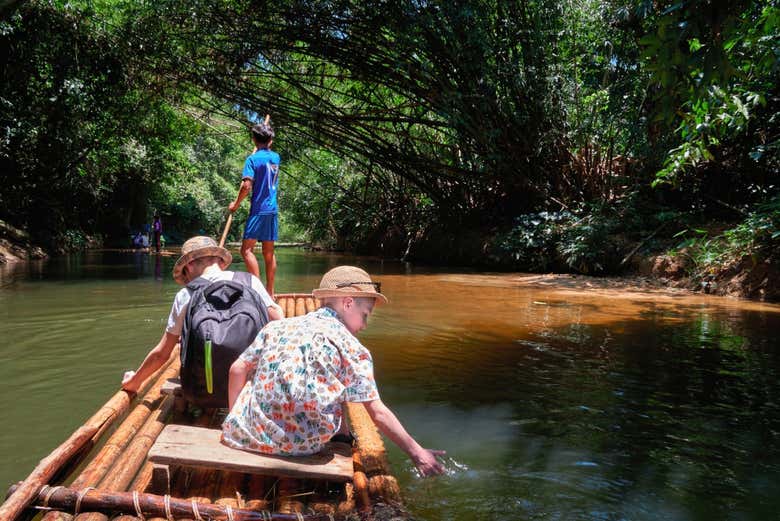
(394, 118)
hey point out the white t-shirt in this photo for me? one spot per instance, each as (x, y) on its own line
(212, 273)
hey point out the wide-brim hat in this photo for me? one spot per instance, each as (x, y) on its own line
(349, 281)
(198, 247)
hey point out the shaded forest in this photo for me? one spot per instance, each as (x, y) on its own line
(532, 135)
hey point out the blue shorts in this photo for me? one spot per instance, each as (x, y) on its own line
(262, 227)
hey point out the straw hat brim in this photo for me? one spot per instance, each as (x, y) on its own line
(349, 292)
(210, 251)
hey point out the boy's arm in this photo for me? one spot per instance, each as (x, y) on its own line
(153, 361)
(243, 190)
(237, 378)
(424, 459)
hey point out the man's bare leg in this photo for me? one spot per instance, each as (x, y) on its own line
(248, 253)
(270, 265)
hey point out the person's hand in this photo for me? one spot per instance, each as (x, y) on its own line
(232, 207)
(126, 382)
(427, 464)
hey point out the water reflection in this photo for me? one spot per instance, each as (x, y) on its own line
(559, 398)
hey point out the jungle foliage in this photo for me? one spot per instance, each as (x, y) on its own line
(560, 123)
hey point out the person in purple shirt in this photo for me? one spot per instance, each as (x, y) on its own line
(157, 229)
(261, 176)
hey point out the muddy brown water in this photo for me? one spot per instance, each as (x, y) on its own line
(555, 397)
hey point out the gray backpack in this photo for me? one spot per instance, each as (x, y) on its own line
(223, 318)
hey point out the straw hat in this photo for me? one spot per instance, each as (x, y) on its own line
(349, 281)
(198, 247)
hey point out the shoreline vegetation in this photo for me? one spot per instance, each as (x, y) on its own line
(658, 272)
(596, 138)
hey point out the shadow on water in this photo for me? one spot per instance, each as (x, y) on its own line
(568, 398)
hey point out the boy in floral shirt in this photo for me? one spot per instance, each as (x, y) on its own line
(287, 389)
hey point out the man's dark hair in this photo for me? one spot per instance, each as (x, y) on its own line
(262, 133)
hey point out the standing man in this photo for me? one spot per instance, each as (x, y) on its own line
(261, 175)
(157, 229)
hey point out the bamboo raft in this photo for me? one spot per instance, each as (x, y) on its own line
(102, 470)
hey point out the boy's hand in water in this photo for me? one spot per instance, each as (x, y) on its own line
(427, 464)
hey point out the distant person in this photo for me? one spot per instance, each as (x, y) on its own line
(157, 230)
(202, 264)
(261, 176)
(138, 240)
(287, 390)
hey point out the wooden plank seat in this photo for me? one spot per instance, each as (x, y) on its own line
(187, 446)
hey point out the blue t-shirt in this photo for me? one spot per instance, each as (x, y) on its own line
(262, 168)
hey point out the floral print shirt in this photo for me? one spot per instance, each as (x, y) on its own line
(302, 369)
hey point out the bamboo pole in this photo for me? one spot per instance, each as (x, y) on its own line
(150, 505)
(370, 446)
(97, 424)
(347, 505)
(127, 466)
(257, 493)
(288, 499)
(25, 493)
(121, 438)
(300, 306)
(102, 462)
(230, 490)
(360, 482)
(290, 309)
(310, 304)
(133, 458)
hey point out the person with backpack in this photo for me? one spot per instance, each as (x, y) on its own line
(215, 316)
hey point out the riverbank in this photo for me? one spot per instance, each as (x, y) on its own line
(745, 278)
(15, 245)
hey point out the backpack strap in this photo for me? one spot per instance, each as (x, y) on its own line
(195, 289)
(243, 277)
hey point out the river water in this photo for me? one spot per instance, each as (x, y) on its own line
(555, 398)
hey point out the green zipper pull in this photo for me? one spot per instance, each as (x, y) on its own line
(209, 372)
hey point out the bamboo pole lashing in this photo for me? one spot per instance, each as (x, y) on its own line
(152, 505)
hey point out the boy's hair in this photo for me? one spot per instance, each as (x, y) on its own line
(262, 133)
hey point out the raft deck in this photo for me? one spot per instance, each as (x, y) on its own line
(103, 471)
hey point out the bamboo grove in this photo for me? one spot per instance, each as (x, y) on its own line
(402, 122)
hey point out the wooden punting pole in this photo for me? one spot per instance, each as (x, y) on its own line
(148, 505)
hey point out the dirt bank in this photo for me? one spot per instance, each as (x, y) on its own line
(15, 245)
(748, 277)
